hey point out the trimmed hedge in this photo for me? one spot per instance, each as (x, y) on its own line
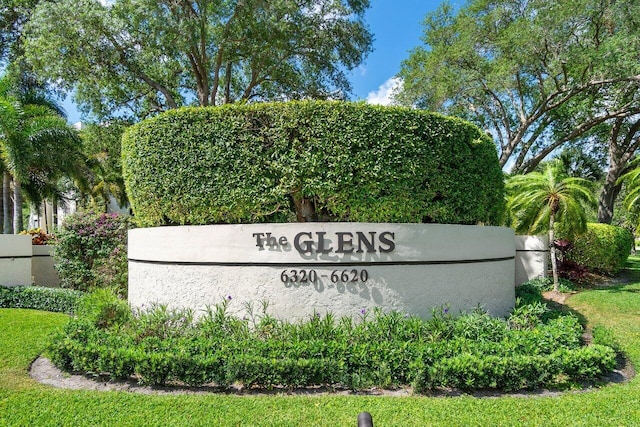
(310, 160)
(40, 298)
(603, 248)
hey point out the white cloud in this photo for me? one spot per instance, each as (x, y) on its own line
(107, 2)
(383, 96)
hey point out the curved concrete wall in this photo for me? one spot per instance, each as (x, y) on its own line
(15, 260)
(532, 256)
(42, 267)
(342, 268)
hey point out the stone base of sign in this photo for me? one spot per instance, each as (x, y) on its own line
(15, 260)
(306, 268)
(532, 258)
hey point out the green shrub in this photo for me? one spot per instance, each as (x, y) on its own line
(104, 309)
(40, 298)
(332, 161)
(602, 248)
(92, 251)
(471, 351)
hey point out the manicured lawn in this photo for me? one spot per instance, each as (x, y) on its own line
(24, 402)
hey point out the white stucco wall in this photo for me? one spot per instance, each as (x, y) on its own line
(532, 257)
(15, 260)
(412, 268)
(42, 267)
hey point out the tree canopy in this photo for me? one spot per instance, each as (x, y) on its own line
(534, 74)
(143, 56)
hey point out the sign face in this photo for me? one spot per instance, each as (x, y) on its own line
(307, 242)
(343, 268)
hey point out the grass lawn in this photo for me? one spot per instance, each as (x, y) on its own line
(24, 402)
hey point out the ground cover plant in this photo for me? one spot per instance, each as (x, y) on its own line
(25, 333)
(533, 347)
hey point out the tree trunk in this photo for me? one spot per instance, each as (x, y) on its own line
(54, 215)
(18, 225)
(6, 203)
(609, 194)
(552, 253)
(623, 144)
(305, 209)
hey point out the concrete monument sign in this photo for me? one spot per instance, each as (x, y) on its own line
(343, 268)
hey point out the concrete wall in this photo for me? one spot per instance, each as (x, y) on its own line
(15, 260)
(352, 266)
(23, 264)
(42, 267)
(532, 258)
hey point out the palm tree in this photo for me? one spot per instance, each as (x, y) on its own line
(37, 147)
(538, 200)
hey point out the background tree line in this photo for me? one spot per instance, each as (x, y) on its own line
(544, 79)
(129, 59)
(538, 76)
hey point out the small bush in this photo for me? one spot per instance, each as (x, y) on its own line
(104, 309)
(602, 248)
(92, 251)
(40, 298)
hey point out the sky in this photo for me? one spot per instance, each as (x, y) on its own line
(396, 26)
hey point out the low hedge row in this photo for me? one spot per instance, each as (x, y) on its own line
(602, 248)
(533, 347)
(40, 298)
(311, 160)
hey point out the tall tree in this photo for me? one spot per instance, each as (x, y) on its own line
(37, 147)
(624, 142)
(539, 200)
(525, 70)
(153, 55)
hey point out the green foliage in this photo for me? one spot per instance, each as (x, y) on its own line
(92, 251)
(538, 200)
(102, 308)
(40, 298)
(344, 161)
(605, 336)
(602, 248)
(101, 145)
(160, 346)
(543, 284)
(534, 73)
(37, 146)
(144, 56)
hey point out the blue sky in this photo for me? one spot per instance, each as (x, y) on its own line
(396, 26)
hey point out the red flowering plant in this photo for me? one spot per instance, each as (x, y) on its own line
(39, 237)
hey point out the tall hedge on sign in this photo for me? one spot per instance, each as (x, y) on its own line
(310, 161)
